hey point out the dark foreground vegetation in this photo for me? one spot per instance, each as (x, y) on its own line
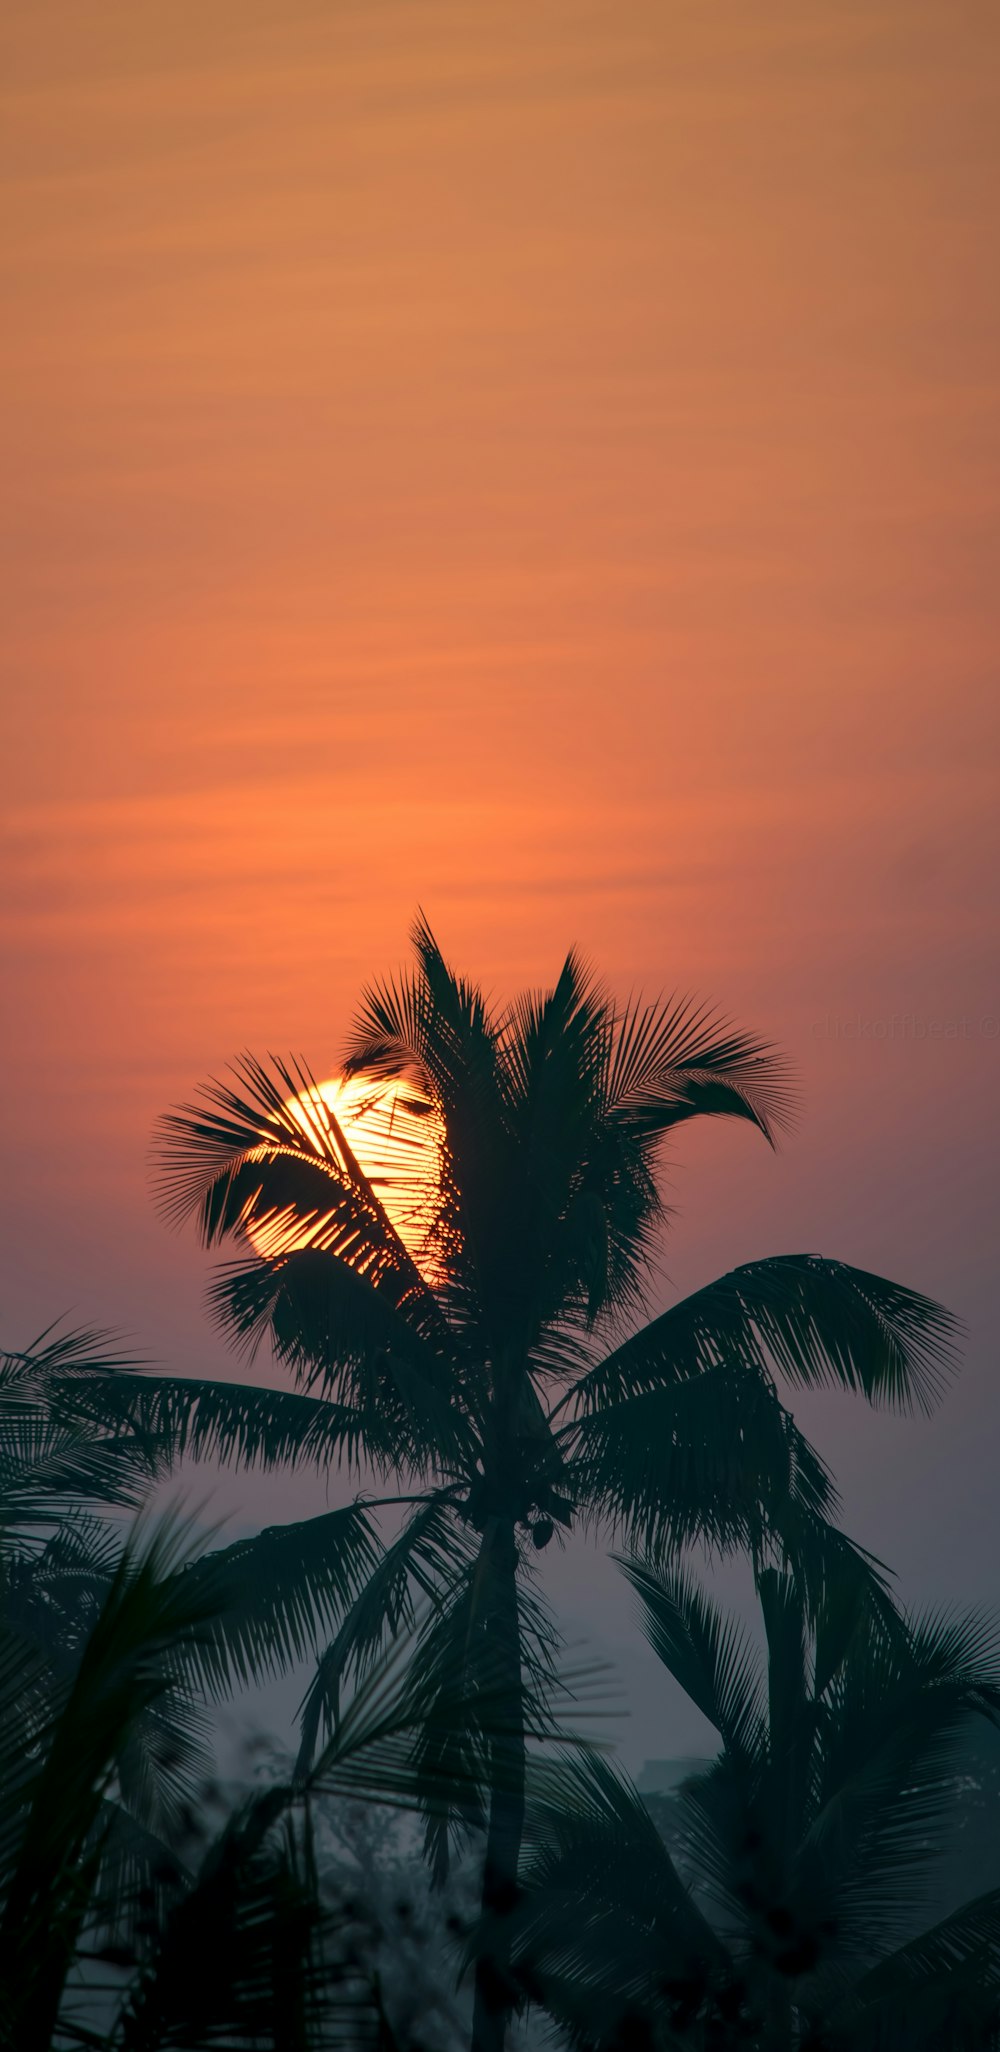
(489, 1384)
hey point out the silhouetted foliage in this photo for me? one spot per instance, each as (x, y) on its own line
(495, 1376)
(498, 1379)
(790, 1909)
(219, 1929)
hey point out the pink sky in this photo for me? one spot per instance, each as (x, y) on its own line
(540, 462)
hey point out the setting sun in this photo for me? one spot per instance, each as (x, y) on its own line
(395, 1135)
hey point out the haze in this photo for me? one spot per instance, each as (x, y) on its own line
(540, 463)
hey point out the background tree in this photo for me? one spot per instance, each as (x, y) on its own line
(789, 1910)
(231, 1937)
(63, 1447)
(497, 1380)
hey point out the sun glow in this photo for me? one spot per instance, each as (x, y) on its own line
(396, 1137)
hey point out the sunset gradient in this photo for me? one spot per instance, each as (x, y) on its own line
(538, 462)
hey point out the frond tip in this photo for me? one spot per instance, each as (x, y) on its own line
(815, 1322)
(680, 1059)
(203, 1154)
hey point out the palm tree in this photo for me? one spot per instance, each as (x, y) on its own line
(62, 1449)
(71, 1465)
(805, 1856)
(495, 1378)
(228, 1939)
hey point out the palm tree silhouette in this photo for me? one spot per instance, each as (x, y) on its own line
(805, 1857)
(501, 1382)
(207, 1931)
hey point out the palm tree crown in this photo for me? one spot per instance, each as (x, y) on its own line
(499, 1373)
(791, 1908)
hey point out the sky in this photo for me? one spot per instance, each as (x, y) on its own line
(538, 462)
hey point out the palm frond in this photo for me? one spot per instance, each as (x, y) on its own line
(816, 1322)
(268, 1158)
(164, 1758)
(54, 1584)
(554, 1046)
(950, 1646)
(679, 1059)
(888, 1750)
(53, 1852)
(248, 1954)
(61, 1446)
(434, 1021)
(61, 1352)
(489, 1649)
(202, 1152)
(941, 1990)
(715, 1458)
(338, 1333)
(423, 1558)
(48, 1467)
(606, 1928)
(419, 1727)
(278, 1594)
(710, 1656)
(790, 1719)
(54, 1596)
(587, 1199)
(25, 1707)
(241, 1425)
(439, 1028)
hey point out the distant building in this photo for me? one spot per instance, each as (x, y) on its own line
(663, 1777)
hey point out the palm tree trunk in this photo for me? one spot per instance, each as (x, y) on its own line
(493, 2001)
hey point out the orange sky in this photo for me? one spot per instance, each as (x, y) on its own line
(539, 461)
